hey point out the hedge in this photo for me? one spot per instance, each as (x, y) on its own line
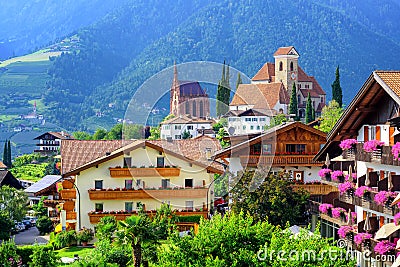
(26, 251)
(189, 218)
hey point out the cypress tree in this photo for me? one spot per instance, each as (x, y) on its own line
(9, 154)
(238, 81)
(5, 153)
(223, 92)
(293, 108)
(337, 94)
(309, 109)
(313, 114)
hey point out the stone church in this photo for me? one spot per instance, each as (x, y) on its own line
(188, 98)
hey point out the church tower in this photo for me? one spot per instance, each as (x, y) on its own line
(286, 66)
(174, 98)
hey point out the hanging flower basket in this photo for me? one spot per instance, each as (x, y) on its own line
(338, 213)
(347, 144)
(363, 191)
(344, 231)
(346, 187)
(361, 238)
(337, 176)
(325, 207)
(384, 198)
(372, 145)
(325, 173)
(397, 219)
(396, 151)
(384, 247)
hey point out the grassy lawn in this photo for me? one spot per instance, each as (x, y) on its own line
(42, 55)
(70, 252)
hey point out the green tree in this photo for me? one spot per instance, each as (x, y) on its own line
(329, 116)
(223, 122)
(5, 151)
(220, 136)
(82, 135)
(9, 161)
(115, 132)
(136, 230)
(100, 134)
(6, 225)
(133, 131)
(223, 92)
(277, 120)
(185, 134)
(43, 257)
(13, 202)
(293, 106)
(154, 133)
(313, 114)
(239, 80)
(39, 208)
(337, 94)
(269, 197)
(164, 221)
(309, 109)
(106, 228)
(44, 225)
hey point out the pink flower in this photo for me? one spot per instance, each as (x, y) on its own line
(397, 219)
(344, 187)
(336, 174)
(337, 211)
(372, 145)
(382, 197)
(396, 150)
(384, 246)
(324, 207)
(347, 143)
(354, 176)
(362, 190)
(323, 172)
(360, 237)
(344, 230)
(353, 217)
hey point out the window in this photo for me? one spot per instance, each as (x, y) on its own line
(267, 149)
(127, 162)
(139, 183)
(295, 148)
(201, 109)
(194, 109)
(178, 136)
(160, 162)
(189, 205)
(190, 127)
(165, 183)
(291, 66)
(247, 119)
(98, 184)
(255, 149)
(280, 66)
(187, 108)
(263, 119)
(177, 127)
(98, 207)
(254, 119)
(129, 206)
(251, 127)
(188, 182)
(258, 127)
(128, 184)
(244, 127)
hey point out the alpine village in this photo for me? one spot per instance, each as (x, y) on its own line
(200, 133)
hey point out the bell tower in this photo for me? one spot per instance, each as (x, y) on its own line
(286, 66)
(174, 97)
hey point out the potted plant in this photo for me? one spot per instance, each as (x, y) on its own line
(396, 150)
(382, 198)
(325, 207)
(363, 191)
(346, 187)
(347, 144)
(338, 213)
(325, 173)
(372, 145)
(384, 247)
(85, 235)
(344, 231)
(361, 238)
(337, 176)
(397, 219)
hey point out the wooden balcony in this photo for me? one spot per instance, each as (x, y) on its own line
(146, 194)
(286, 160)
(71, 215)
(95, 218)
(144, 172)
(369, 203)
(382, 155)
(316, 189)
(68, 194)
(337, 221)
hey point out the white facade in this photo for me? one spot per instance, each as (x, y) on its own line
(248, 124)
(176, 130)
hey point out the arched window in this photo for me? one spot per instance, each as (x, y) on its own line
(201, 115)
(291, 66)
(187, 107)
(280, 66)
(194, 108)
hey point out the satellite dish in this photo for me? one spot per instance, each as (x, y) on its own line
(231, 130)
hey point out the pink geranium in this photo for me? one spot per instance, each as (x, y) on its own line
(325, 207)
(384, 246)
(353, 217)
(336, 174)
(324, 172)
(344, 230)
(344, 187)
(396, 150)
(354, 176)
(347, 143)
(397, 219)
(372, 145)
(360, 237)
(362, 190)
(383, 196)
(336, 212)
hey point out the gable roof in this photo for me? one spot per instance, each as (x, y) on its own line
(267, 134)
(3, 166)
(261, 96)
(184, 119)
(43, 183)
(191, 150)
(375, 87)
(190, 88)
(284, 51)
(57, 135)
(7, 178)
(267, 72)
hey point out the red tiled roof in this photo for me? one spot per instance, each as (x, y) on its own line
(262, 96)
(391, 79)
(305, 92)
(184, 119)
(283, 50)
(267, 72)
(75, 153)
(320, 107)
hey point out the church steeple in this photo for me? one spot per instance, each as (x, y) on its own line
(173, 103)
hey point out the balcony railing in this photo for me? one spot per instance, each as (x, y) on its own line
(95, 218)
(382, 155)
(289, 160)
(68, 194)
(144, 172)
(316, 189)
(148, 193)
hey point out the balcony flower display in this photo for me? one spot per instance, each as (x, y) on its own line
(384, 247)
(354, 176)
(346, 187)
(353, 217)
(363, 191)
(397, 219)
(324, 173)
(384, 197)
(344, 230)
(347, 143)
(338, 212)
(372, 145)
(396, 151)
(361, 237)
(325, 207)
(336, 175)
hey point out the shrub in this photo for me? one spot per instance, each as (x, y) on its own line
(43, 257)
(189, 218)
(65, 238)
(106, 227)
(85, 235)
(8, 254)
(44, 225)
(26, 251)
